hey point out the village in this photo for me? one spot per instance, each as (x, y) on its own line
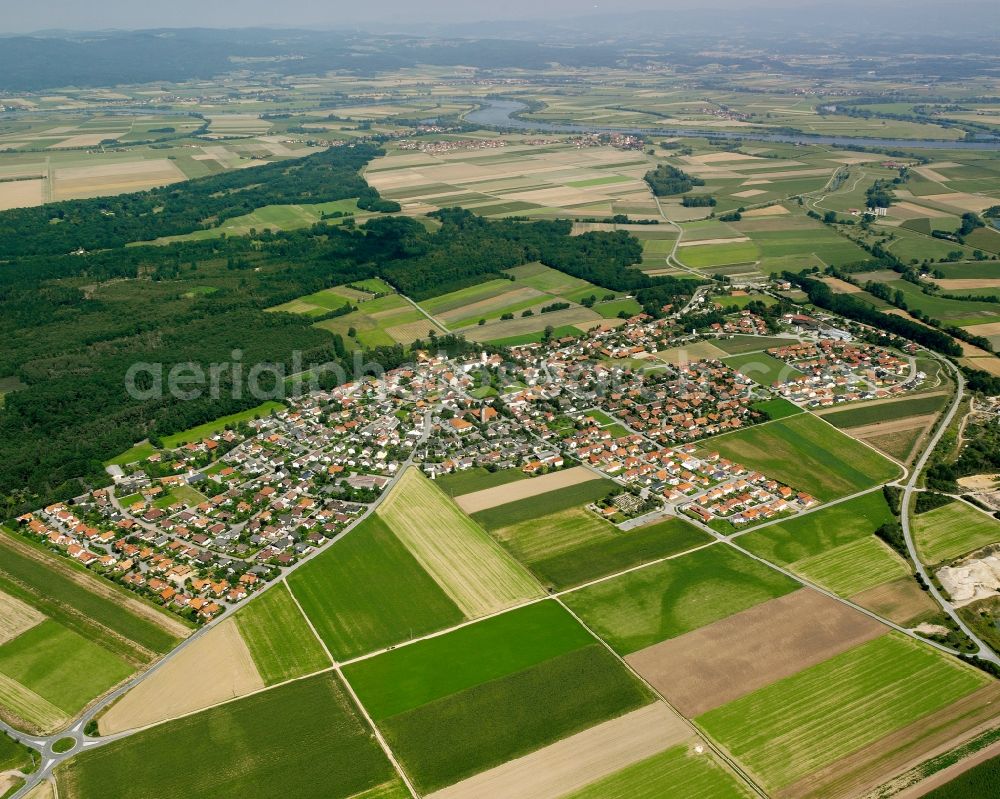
(201, 527)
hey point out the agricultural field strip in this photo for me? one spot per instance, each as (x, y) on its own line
(718, 751)
(305, 616)
(376, 732)
(557, 595)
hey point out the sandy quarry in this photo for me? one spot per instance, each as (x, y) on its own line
(971, 580)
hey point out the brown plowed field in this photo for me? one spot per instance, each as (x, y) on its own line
(900, 601)
(708, 667)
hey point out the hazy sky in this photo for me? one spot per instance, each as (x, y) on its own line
(19, 17)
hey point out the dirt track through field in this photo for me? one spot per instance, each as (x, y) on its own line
(577, 761)
(216, 667)
(708, 667)
(523, 489)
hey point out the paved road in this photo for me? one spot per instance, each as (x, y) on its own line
(44, 743)
(908, 490)
(50, 759)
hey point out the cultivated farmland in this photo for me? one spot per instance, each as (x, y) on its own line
(808, 454)
(886, 411)
(87, 637)
(644, 607)
(675, 771)
(523, 489)
(279, 639)
(820, 531)
(468, 565)
(854, 567)
(558, 499)
(580, 760)
(573, 546)
(808, 720)
(445, 741)
(411, 676)
(715, 664)
(534, 673)
(953, 530)
(214, 668)
(367, 592)
(317, 745)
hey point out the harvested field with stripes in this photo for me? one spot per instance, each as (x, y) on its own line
(468, 565)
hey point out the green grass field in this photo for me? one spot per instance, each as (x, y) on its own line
(981, 780)
(205, 430)
(777, 408)
(476, 479)
(742, 300)
(613, 308)
(411, 676)
(301, 739)
(738, 345)
(367, 591)
(706, 256)
(137, 453)
(674, 772)
(676, 596)
(551, 502)
(48, 584)
(955, 312)
(820, 531)
(871, 414)
(765, 369)
(808, 455)
(574, 546)
(951, 531)
(61, 667)
(853, 567)
(449, 739)
(278, 637)
(807, 721)
(820, 241)
(15, 755)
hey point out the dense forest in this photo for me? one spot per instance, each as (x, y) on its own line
(72, 325)
(103, 222)
(666, 180)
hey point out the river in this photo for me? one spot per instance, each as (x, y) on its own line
(499, 114)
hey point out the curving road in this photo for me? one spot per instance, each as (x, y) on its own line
(908, 490)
